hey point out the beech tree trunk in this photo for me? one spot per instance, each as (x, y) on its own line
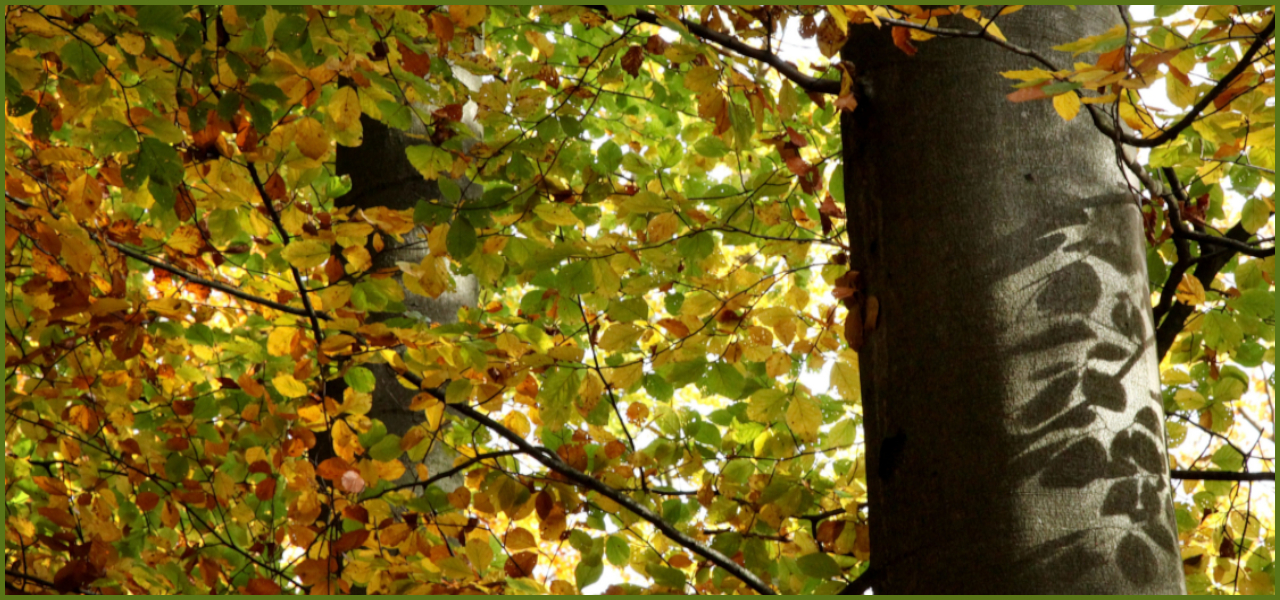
(1013, 420)
(381, 175)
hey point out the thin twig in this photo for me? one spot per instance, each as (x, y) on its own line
(188, 276)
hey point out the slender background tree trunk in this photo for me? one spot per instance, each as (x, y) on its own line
(381, 175)
(1014, 428)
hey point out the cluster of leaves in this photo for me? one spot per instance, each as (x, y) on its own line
(660, 248)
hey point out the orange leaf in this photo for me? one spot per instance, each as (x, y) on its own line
(1027, 95)
(902, 39)
(675, 327)
(333, 468)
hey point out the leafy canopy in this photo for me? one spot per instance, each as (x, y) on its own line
(660, 247)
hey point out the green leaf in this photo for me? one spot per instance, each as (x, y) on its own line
(1255, 215)
(1167, 10)
(155, 160)
(1228, 459)
(162, 21)
(461, 241)
(387, 449)
(555, 399)
(113, 136)
(577, 278)
(667, 576)
(819, 565)
(587, 573)
(617, 550)
(711, 146)
(360, 379)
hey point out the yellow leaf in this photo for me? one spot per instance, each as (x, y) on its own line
(517, 422)
(778, 365)
(311, 138)
(766, 406)
(344, 111)
(1067, 105)
(804, 418)
(702, 80)
(187, 240)
(345, 442)
(619, 336)
(466, 15)
(288, 386)
(84, 196)
(1191, 291)
(306, 254)
(662, 227)
(556, 214)
(479, 553)
(520, 539)
(839, 16)
(398, 222)
(280, 342)
(845, 376)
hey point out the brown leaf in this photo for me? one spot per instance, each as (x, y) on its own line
(847, 102)
(261, 586)
(183, 408)
(266, 489)
(275, 187)
(633, 60)
(351, 540)
(656, 45)
(521, 565)
(413, 62)
(147, 500)
(675, 327)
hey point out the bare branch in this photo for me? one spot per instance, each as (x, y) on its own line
(188, 276)
(553, 462)
(786, 69)
(1222, 476)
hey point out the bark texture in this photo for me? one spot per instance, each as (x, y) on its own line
(1014, 428)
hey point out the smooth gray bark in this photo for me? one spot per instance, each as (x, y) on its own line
(1014, 429)
(381, 175)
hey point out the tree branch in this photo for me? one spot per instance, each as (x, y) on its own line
(1221, 476)
(1099, 121)
(864, 582)
(447, 474)
(284, 238)
(553, 462)
(1230, 244)
(786, 69)
(186, 275)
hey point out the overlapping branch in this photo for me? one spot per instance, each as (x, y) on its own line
(191, 277)
(586, 481)
(728, 42)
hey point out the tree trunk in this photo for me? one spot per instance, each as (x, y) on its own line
(1013, 422)
(381, 175)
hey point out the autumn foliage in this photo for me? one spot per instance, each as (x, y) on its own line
(658, 387)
